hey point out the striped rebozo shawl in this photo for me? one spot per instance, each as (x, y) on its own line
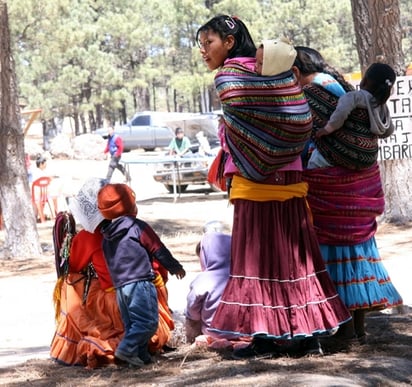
(267, 119)
(344, 203)
(353, 146)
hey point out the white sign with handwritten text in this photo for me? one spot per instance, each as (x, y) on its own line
(399, 145)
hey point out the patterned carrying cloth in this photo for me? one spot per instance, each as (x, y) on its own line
(345, 203)
(353, 146)
(273, 133)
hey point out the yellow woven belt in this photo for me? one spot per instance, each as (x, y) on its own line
(246, 189)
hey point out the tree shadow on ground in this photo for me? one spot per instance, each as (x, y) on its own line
(384, 360)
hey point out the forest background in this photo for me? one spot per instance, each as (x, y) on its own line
(94, 59)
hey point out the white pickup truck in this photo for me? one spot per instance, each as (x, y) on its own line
(150, 130)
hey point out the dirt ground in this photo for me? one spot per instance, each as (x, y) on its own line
(385, 360)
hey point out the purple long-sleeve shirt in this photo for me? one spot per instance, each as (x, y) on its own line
(207, 288)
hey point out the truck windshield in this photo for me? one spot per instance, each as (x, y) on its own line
(141, 121)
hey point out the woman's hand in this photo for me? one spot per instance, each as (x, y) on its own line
(327, 129)
(321, 132)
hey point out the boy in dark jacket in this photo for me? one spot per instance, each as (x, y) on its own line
(129, 246)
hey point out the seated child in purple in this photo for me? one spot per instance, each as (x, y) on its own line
(206, 289)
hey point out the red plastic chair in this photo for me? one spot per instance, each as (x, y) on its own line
(40, 197)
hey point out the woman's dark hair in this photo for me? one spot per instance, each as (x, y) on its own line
(179, 130)
(40, 160)
(378, 80)
(224, 26)
(197, 249)
(310, 61)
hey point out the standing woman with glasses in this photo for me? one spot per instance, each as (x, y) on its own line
(279, 291)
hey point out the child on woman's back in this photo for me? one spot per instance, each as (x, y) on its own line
(274, 57)
(129, 246)
(375, 90)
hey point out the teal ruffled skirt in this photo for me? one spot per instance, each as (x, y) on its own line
(360, 276)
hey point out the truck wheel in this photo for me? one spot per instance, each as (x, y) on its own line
(179, 188)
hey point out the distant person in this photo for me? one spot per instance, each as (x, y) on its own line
(28, 167)
(54, 188)
(46, 136)
(204, 146)
(206, 289)
(40, 170)
(180, 145)
(114, 146)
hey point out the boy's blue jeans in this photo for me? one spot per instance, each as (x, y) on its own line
(140, 314)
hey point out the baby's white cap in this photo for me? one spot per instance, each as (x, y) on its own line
(278, 56)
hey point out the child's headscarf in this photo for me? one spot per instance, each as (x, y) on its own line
(84, 205)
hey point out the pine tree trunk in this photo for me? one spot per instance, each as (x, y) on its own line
(21, 237)
(378, 36)
(396, 185)
(363, 31)
(378, 33)
(387, 34)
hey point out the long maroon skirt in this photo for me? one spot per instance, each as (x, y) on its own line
(278, 283)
